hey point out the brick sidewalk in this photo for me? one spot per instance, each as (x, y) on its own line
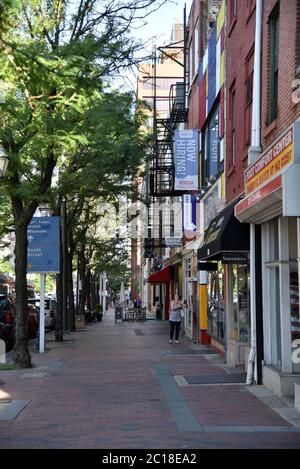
(123, 386)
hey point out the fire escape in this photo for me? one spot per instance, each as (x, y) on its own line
(161, 177)
(162, 170)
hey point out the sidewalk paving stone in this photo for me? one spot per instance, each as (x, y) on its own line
(108, 387)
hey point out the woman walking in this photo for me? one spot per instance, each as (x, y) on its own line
(175, 319)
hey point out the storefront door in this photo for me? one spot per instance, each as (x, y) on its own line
(216, 304)
(241, 303)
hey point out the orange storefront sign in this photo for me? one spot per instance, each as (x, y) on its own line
(272, 164)
(257, 196)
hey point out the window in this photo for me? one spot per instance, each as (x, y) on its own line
(250, 5)
(191, 71)
(196, 48)
(211, 146)
(232, 124)
(273, 72)
(241, 302)
(216, 304)
(232, 11)
(249, 96)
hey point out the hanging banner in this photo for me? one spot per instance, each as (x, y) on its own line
(189, 212)
(186, 160)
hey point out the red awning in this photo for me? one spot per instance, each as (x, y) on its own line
(163, 276)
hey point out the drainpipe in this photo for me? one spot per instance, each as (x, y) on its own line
(254, 152)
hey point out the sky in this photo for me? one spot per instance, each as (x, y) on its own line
(157, 29)
(160, 22)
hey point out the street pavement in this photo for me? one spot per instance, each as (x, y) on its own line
(123, 386)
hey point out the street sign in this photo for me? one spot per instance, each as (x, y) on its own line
(173, 242)
(43, 256)
(43, 253)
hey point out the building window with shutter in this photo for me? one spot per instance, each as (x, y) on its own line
(212, 164)
(232, 124)
(232, 13)
(274, 63)
(249, 96)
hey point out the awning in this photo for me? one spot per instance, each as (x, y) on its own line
(226, 239)
(163, 276)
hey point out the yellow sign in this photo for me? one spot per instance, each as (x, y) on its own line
(271, 164)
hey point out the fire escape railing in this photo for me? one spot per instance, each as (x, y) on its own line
(162, 170)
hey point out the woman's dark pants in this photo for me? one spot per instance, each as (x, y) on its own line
(174, 326)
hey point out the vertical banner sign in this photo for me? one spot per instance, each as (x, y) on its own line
(43, 245)
(189, 203)
(186, 160)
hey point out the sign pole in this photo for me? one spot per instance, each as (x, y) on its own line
(42, 312)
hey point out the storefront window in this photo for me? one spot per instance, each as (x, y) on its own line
(273, 241)
(275, 317)
(294, 291)
(241, 303)
(188, 293)
(272, 292)
(216, 304)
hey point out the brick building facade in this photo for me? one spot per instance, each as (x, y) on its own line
(239, 88)
(271, 204)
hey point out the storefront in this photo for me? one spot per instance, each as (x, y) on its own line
(161, 281)
(272, 201)
(190, 294)
(225, 255)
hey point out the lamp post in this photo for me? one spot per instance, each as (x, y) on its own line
(4, 161)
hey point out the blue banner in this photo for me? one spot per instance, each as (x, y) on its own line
(186, 160)
(43, 252)
(189, 212)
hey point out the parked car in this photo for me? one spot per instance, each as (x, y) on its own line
(50, 310)
(33, 321)
(7, 321)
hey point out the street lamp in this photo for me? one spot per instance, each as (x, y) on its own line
(4, 160)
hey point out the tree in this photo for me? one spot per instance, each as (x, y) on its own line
(54, 57)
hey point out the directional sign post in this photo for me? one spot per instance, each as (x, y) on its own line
(43, 256)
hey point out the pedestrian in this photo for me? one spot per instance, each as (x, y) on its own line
(139, 302)
(175, 319)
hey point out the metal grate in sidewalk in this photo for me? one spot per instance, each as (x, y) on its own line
(236, 378)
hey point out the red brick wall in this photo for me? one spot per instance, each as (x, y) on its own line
(193, 97)
(239, 41)
(288, 112)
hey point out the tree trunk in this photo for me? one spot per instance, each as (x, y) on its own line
(72, 326)
(88, 289)
(59, 331)
(59, 334)
(82, 273)
(21, 354)
(93, 291)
